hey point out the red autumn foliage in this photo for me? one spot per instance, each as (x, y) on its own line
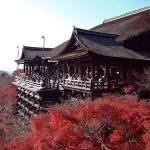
(17, 72)
(111, 122)
(7, 109)
(128, 89)
(7, 91)
(116, 136)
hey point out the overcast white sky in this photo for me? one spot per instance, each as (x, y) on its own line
(23, 22)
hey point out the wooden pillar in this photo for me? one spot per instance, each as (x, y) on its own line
(24, 68)
(79, 71)
(87, 70)
(40, 67)
(58, 76)
(69, 69)
(58, 70)
(44, 69)
(107, 76)
(66, 68)
(123, 72)
(113, 71)
(30, 69)
(82, 71)
(75, 70)
(48, 69)
(99, 71)
(27, 69)
(92, 71)
(64, 71)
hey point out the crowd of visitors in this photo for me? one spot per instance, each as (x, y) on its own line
(50, 78)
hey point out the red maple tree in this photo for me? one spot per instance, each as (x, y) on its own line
(111, 122)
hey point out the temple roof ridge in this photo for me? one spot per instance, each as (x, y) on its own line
(127, 14)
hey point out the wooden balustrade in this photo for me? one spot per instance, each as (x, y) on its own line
(78, 83)
(91, 85)
(29, 83)
(35, 84)
(87, 85)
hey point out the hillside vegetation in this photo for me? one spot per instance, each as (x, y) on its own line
(3, 73)
(110, 122)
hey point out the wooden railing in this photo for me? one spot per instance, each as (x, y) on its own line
(90, 85)
(29, 83)
(78, 83)
(102, 85)
(33, 84)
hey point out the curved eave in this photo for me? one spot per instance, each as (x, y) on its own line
(131, 56)
(71, 40)
(20, 61)
(73, 55)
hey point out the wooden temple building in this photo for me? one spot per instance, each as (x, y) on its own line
(93, 61)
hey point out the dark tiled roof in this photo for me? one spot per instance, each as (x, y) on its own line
(103, 44)
(127, 25)
(121, 52)
(90, 32)
(57, 50)
(29, 53)
(94, 40)
(75, 54)
(29, 48)
(107, 46)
